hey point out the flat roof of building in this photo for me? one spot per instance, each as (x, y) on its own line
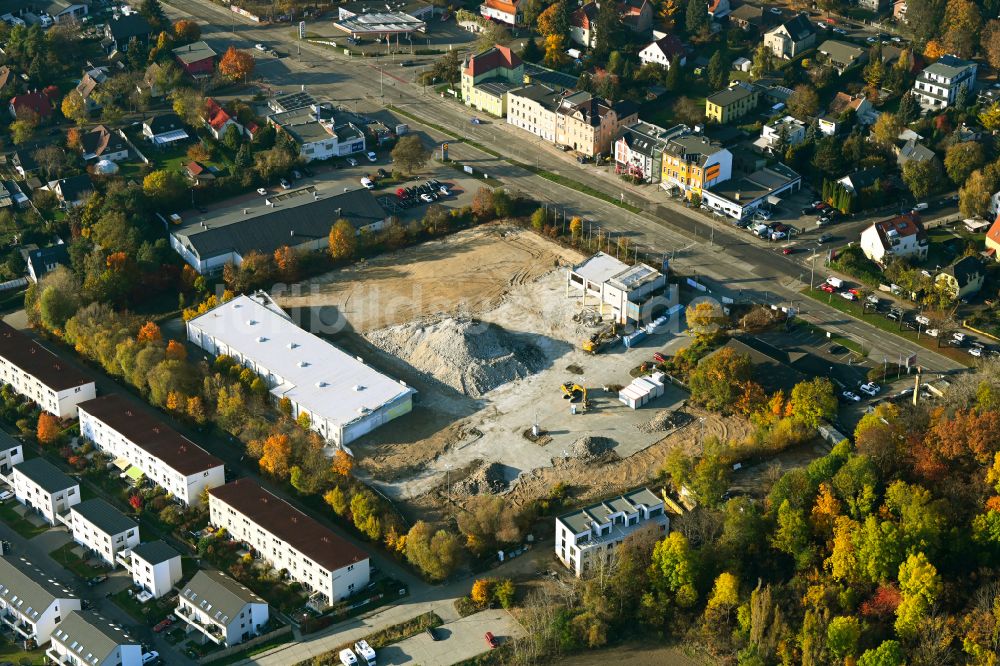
(600, 268)
(315, 374)
(135, 422)
(634, 277)
(581, 519)
(380, 23)
(45, 475)
(218, 595)
(103, 516)
(89, 637)
(756, 185)
(34, 359)
(194, 52)
(287, 523)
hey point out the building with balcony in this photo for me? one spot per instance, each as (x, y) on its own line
(133, 436)
(639, 149)
(792, 38)
(11, 453)
(36, 373)
(902, 236)
(937, 86)
(587, 538)
(103, 529)
(488, 76)
(325, 564)
(86, 639)
(732, 103)
(342, 396)
(786, 131)
(40, 485)
(30, 608)
(155, 567)
(224, 611)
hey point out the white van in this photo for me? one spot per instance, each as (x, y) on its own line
(920, 206)
(347, 657)
(835, 282)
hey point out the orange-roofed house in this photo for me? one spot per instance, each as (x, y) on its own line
(993, 240)
(218, 120)
(488, 76)
(37, 103)
(503, 11)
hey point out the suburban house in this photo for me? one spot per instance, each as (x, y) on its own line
(639, 149)
(134, 437)
(732, 103)
(225, 611)
(503, 11)
(73, 191)
(788, 130)
(318, 131)
(86, 639)
(663, 51)
(636, 15)
(198, 173)
(42, 261)
(36, 373)
(342, 396)
(120, 31)
(740, 198)
(693, 163)
(102, 529)
(30, 608)
(860, 180)
(899, 237)
(912, 151)
(101, 143)
(89, 83)
(57, 11)
(488, 76)
(151, 81)
(164, 129)
(749, 17)
(300, 219)
(792, 38)
(842, 56)
(832, 122)
(586, 538)
(963, 278)
(31, 104)
(40, 485)
(582, 23)
(11, 453)
(992, 240)
(196, 59)
(937, 86)
(574, 119)
(217, 120)
(329, 567)
(155, 567)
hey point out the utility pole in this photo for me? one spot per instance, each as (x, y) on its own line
(812, 270)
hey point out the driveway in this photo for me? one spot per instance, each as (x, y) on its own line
(458, 640)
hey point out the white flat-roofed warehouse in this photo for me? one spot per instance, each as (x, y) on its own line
(361, 19)
(343, 397)
(628, 290)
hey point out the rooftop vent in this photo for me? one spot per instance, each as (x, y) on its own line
(303, 364)
(358, 387)
(292, 345)
(261, 338)
(251, 322)
(320, 384)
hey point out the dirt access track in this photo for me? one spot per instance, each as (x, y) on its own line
(468, 272)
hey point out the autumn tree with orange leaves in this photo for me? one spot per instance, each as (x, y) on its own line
(176, 351)
(48, 429)
(277, 450)
(236, 65)
(342, 463)
(286, 259)
(149, 332)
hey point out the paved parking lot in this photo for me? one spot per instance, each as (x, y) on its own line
(458, 640)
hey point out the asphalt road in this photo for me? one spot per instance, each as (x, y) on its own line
(728, 261)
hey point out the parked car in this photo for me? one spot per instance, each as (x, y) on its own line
(444, 191)
(958, 336)
(261, 191)
(491, 640)
(96, 580)
(920, 206)
(828, 288)
(933, 332)
(150, 657)
(762, 214)
(427, 198)
(260, 47)
(788, 250)
(162, 624)
(976, 351)
(368, 184)
(848, 295)
(352, 161)
(382, 173)
(851, 396)
(475, 121)
(285, 185)
(5, 495)
(824, 238)
(778, 235)
(871, 388)
(372, 157)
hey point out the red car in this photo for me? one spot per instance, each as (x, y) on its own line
(788, 250)
(821, 206)
(854, 291)
(659, 358)
(828, 288)
(491, 640)
(163, 624)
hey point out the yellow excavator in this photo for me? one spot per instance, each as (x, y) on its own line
(602, 337)
(574, 392)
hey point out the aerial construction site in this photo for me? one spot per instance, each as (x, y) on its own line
(519, 369)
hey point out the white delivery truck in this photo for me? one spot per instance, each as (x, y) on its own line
(835, 282)
(347, 657)
(365, 653)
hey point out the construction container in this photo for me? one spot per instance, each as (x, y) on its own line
(633, 339)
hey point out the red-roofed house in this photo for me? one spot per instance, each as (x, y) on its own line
(636, 15)
(36, 102)
(582, 23)
(993, 240)
(217, 120)
(488, 76)
(503, 11)
(662, 51)
(902, 236)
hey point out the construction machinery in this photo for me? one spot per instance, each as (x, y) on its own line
(574, 392)
(601, 338)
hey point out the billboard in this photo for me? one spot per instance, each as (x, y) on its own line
(712, 172)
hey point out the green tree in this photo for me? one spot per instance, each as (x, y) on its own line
(909, 108)
(164, 186)
(889, 653)
(793, 536)
(923, 178)
(803, 103)
(763, 59)
(920, 586)
(718, 70)
(435, 553)
(696, 18)
(716, 381)
(674, 570)
(153, 12)
(814, 401)
(232, 138)
(842, 636)
(336, 500)
(56, 306)
(409, 154)
(608, 31)
(924, 18)
(974, 196)
(961, 159)
(538, 219)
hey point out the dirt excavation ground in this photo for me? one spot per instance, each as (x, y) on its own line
(482, 326)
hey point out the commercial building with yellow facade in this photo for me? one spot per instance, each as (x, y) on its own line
(487, 77)
(732, 103)
(692, 163)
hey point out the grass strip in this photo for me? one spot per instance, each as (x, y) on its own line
(22, 526)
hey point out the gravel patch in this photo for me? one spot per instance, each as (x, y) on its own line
(663, 421)
(471, 356)
(486, 479)
(592, 446)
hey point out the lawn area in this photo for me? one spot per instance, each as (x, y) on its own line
(20, 525)
(853, 308)
(148, 613)
(15, 655)
(946, 245)
(68, 559)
